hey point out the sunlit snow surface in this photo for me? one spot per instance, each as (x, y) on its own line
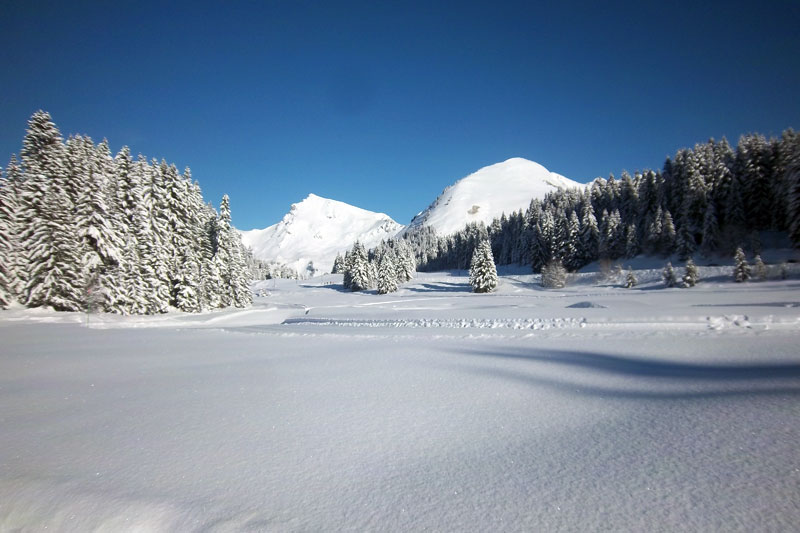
(430, 408)
(486, 194)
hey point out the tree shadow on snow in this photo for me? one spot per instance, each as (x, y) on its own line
(654, 379)
(338, 287)
(441, 286)
(765, 304)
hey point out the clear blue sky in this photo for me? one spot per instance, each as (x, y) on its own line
(383, 104)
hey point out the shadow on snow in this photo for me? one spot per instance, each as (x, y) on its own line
(647, 378)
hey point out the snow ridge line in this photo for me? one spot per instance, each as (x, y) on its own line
(479, 323)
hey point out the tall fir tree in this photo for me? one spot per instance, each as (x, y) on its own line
(482, 272)
(741, 269)
(387, 274)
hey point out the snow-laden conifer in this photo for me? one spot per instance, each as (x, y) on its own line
(669, 275)
(338, 265)
(630, 279)
(405, 262)
(12, 255)
(692, 275)
(554, 275)
(741, 269)
(631, 241)
(387, 273)
(482, 272)
(359, 268)
(760, 269)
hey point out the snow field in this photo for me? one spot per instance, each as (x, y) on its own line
(277, 418)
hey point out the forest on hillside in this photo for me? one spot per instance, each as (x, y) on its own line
(706, 201)
(83, 230)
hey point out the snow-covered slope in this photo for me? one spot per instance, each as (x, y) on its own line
(491, 191)
(316, 229)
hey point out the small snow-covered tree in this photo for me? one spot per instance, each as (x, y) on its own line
(338, 265)
(741, 270)
(760, 268)
(405, 263)
(669, 275)
(691, 275)
(359, 269)
(387, 274)
(482, 272)
(630, 279)
(554, 275)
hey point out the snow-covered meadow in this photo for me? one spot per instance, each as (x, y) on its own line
(592, 407)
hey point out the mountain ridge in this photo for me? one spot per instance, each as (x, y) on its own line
(489, 192)
(316, 229)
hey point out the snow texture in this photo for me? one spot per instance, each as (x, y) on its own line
(315, 230)
(430, 408)
(488, 193)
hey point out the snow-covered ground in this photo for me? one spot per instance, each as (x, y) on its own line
(588, 408)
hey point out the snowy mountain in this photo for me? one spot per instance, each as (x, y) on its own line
(491, 191)
(316, 229)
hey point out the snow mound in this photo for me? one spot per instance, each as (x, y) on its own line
(315, 230)
(586, 305)
(488, 193)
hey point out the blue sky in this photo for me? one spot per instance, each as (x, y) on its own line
(383, 104)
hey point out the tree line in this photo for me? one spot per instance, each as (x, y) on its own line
(81, 229)
(705, 201)
(384, 267)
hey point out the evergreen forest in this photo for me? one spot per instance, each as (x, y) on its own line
(82, 230)
(706, 201)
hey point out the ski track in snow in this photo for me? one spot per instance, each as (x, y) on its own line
(428, 409)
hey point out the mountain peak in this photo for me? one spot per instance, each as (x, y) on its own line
(500, 188)
(315, 230)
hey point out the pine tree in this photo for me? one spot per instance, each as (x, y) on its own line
(691, 275)
(669, 275)
(554, 275)
(711, 231)
(654, 231)
(684, 243)
(482, 272)
(630, 279)
(359, 269)
(97, 228)
(572, 245)
(405, 261)
(7, 244)
(338, 265)
(668, 236)
(760, 268)
(741, 270)
(387, 274)
(45, 218)
(631, 241)
(12, 257)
